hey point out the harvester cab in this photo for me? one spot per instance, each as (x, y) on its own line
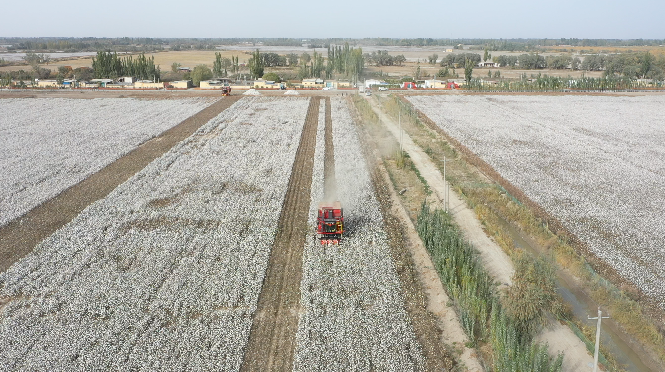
(226, 91)
(330, 223)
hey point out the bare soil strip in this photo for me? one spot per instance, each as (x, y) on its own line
(19, 237)
(428, 333)
(330, 184)
(272, 338)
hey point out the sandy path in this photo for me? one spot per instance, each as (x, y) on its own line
(498, 264)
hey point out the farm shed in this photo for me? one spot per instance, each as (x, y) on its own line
(147, 84)
(458, 82)
(102, 82)
(181, 84)
(312, 83)
(47, 84)
(214, 83)
(370, 82)
(266, 84)
(88, 84)
(436, 84)
(70, 83)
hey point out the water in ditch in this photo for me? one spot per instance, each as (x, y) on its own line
(582, 307)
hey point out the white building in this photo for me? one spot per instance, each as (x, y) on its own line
(370, 82)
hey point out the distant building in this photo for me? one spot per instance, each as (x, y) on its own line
(180, 84)
(266, 84)
(148, 84)
(214, 83)
(48, 84)
(488, 64)
(371, 82)
(102, 82)
(436, 84)
(184, 69)
(457, 82)
(70, 83)
(312, 83)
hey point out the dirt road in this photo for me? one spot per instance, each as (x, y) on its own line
(273, 334)
(19, 237)
(498, 264)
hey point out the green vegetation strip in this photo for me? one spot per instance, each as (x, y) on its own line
(476, 300)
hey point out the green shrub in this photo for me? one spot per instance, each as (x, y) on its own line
(532, 294)
(476, 300)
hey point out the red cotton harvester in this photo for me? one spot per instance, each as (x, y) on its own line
(330, 223)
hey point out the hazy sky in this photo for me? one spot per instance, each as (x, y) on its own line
(605, 19)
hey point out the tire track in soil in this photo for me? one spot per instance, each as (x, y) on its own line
(272, 338)
(329, 181)
(20, 236)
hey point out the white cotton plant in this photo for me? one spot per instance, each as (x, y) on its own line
(50, 144)
(596, 163)
(165, 272)
(353, 314)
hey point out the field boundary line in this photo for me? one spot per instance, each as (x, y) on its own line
(21, 235)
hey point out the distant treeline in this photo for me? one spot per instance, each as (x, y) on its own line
(343, 61)
(556, 83)
(632, 65)
(153, 44)
(107, 65)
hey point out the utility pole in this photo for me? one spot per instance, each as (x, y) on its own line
(600, 317)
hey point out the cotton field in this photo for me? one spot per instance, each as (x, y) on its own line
(596, 163)
(354, 316)
(48, 145)
(164, 273)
